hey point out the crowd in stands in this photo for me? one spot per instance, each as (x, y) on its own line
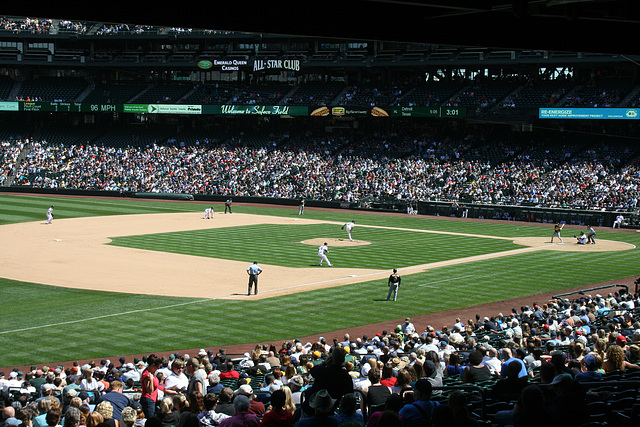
(30, 25)
(345, 168)
(559, 363)
(50, 26)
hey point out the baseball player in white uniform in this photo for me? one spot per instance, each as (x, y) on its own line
(49, 215)
(322, 254)
(208, 213)
(349, 226)
(618, 221)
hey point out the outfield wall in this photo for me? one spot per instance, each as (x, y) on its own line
(444, 208)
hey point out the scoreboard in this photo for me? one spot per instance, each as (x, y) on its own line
(450, 112)
(195, 109)
(61, 107)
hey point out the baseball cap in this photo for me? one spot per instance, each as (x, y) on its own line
(589, 360)
(297, 380)
(423, 386)
(244, 389)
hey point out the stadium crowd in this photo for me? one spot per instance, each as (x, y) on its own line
(537, 365)
(343, 169)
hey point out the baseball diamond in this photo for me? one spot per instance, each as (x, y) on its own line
(78, 253)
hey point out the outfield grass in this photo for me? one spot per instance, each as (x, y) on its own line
(44, 323)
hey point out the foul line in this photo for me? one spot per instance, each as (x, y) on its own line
(103, 317)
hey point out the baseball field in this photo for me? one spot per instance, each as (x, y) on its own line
(113, 277)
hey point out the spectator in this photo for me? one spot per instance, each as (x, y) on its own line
(214, 383)
(118, 400)
(54, 415)
(510, 387)
(177, 381)
(230, 372)
(330, 376)
(150, 385)
(393, 404)
(129, 416)
(419, 412)
(225, 405)
(278, 415)
(167, 415)
(591, 363)
(256, 407)
(106, 410)
(615, 360)
(322, 405)
(476, 371)
(89, 383)
(209, 417)
(376, 393)
(242, 417)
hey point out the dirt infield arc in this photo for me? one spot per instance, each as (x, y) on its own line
(74, 253)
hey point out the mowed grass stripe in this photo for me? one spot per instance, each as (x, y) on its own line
(33, 208)
(279, 244)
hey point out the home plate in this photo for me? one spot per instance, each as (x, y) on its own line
(57, 240)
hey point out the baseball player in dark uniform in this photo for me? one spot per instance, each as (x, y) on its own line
(556, 232)
(227, 205)
(394, 284)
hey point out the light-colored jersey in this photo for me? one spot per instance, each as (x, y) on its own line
(254, 269)
(322, 249)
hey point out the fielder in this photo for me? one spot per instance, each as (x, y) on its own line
(349, 226)
(556, 232)
(394, 284)
(301, 207)
(208, 213)
(322, 254)
(618, 221)
(49, 215)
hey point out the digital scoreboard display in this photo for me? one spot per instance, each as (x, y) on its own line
(590, 113)
(65, 107)
(231, 110)
(450, 112)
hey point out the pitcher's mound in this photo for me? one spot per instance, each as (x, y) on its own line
(332, 241)
(571, 245)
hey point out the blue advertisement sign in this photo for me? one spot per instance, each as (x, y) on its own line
(590, 113)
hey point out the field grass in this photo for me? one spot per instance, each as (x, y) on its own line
(278, 244)
(41, 324)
